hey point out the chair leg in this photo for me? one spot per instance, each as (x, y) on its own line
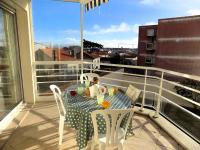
(120, 147)
(61, 129)
(93, 145)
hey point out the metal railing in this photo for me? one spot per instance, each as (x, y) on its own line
(159, 83)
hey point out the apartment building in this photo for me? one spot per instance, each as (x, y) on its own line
(177, 45)
(147, 45)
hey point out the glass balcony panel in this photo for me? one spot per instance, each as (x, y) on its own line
(179, 116)
(44, 90)
(150, 99)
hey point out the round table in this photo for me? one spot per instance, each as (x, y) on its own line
(78, 109)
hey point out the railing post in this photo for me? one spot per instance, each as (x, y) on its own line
(91, 67)
(35, 82)
(159, 96)
(81, 31)
(144, 91)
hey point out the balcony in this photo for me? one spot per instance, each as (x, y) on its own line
(38, 130)
(163, 119)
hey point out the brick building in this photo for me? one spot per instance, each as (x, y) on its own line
(147, 45)
(177, 45)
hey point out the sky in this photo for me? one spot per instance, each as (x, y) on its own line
(114, 24)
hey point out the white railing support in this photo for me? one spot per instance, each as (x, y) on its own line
(81, 31)
(91, 68)
(159, 96)
(143, 98)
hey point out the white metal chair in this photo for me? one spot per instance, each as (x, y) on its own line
(115, 135)
(88, 76)
(57, 95)
(133, 93)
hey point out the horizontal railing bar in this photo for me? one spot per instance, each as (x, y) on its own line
(128, 66)
(184, 98)
(140, 83)
(57, 76)
(57, 62)
(62, 69)
(41, 94)
(122, 80)
(116, 72)
(4, 77)
(153, 77)
(56, 82)
(114, 85)
(6, 83)
(186, 87)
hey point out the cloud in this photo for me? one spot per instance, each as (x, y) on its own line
(149, 2)
(193, 12)
(120, 28)
(151, 23)
(128, 35)
(71, 39)
(115, 43)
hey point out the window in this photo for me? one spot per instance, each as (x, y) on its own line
(150, 32)
(149, 60)
(149, 46)
(10, 78)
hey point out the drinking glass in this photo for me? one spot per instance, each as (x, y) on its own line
(100, 98)
(87, 83)
(110, 91)
(80, 90)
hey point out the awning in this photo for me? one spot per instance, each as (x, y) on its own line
(89, 4)
(94, 3)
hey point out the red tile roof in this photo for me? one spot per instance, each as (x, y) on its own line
(61, 55)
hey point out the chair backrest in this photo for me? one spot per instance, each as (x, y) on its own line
(88, 76)
(133, 93)
(113, 119)
(57, 95)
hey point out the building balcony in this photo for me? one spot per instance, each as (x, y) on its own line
(163, 119)
(39, 130)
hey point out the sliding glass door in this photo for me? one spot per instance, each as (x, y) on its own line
(10, 73)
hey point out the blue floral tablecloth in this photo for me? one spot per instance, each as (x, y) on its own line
(78, 115)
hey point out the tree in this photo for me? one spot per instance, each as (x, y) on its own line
(89, 44)
(188, 93)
